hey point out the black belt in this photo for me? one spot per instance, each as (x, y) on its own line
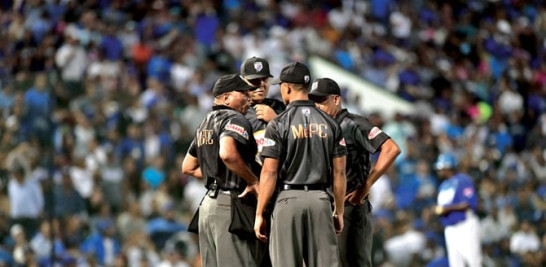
(306, 187)
(214, 189)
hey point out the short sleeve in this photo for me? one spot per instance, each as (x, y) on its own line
(368, 136)
(340, 148)
(193, 148)
(238, 128)
(272, 146)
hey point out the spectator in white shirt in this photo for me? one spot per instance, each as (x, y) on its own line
(95, 159)
(26, 201)
(491, 229)
(41, 243)
(82, 178)
(408, 243)
(525, 240)
(71, 58)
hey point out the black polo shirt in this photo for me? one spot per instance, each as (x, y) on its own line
(258, 126)
(223, 121)
(305, 140)
(362, 139)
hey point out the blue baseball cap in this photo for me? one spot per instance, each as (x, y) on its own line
(445, 161)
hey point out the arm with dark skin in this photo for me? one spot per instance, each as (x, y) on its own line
(234, 162)
(442, 210)
(268, 181)
(389, 152)
(190, 166)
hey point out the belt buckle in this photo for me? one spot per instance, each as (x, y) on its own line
(213, 191)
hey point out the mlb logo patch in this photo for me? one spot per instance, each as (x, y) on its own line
(258, 66)
(306, 111)
(468, 192)
(342, 142)
(314, 86)
(306, 78)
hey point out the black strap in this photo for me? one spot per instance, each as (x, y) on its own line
(215, 186)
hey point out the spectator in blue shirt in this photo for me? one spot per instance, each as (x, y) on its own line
(206, 25)
(162, 228)
(154, 175)
(6, 98)
(159, 67)
(111, 45)
(37, 98)
(67, 200)
(102, 244)
(37, 103)
(132, 145)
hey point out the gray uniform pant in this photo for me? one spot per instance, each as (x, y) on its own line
(217, 245)
(355, 241)
(302, 229)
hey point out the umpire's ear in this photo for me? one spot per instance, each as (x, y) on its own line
(288, 88)
(337, 100)
(225, 98)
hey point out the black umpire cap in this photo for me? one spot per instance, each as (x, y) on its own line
(295, 72)
(231, 82)
(324, 87)
(255, 67)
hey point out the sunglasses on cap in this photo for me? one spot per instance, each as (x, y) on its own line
(258, 81)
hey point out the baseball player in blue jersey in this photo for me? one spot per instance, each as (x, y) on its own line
(457, 204)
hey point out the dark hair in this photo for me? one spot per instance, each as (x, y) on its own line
(300, 87)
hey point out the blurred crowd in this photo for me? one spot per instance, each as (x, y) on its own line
(99, 100)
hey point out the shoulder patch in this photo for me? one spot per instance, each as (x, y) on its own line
(342, 142)
(468, 192)
(374, 132)
(268, 142)
(238, 129)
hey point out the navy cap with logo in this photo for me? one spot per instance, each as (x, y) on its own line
(231, 82)
(295, 72)
(254, 68)
(324, 87)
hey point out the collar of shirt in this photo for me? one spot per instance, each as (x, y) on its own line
(299, 103)
(341, 115)
(219, 107)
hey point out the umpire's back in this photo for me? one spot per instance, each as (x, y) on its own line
(305, 152)
(307, 141)
(223, 121)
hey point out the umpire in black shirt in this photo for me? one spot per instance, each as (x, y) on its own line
(255, 70)
(305, 152)
(362, 139)
(222, 153)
